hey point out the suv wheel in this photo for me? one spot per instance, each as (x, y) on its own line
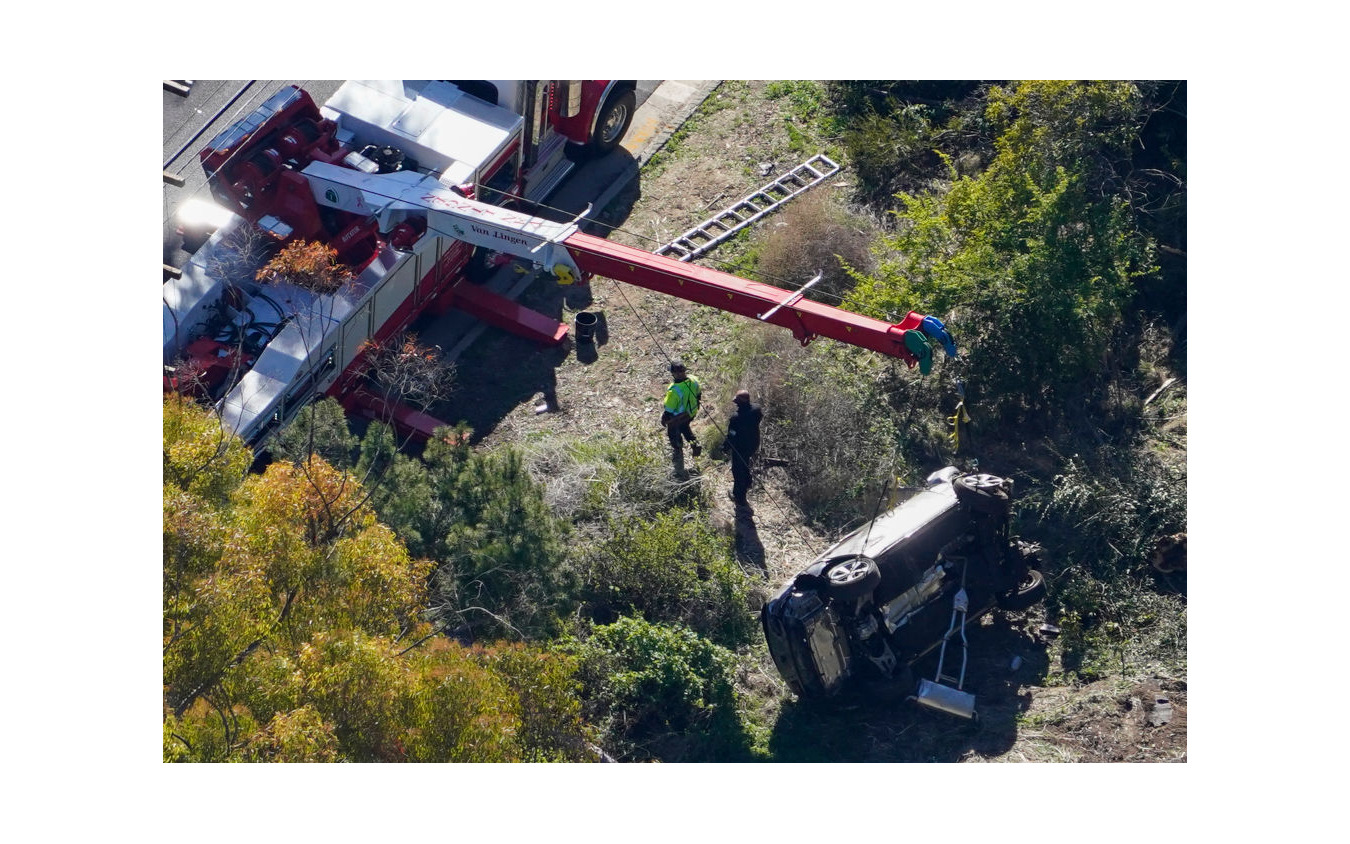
(1030, 591)
(983, 493)
(853, 577)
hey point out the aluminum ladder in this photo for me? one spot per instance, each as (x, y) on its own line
(718, 228)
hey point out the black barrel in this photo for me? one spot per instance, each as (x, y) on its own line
(586, 321)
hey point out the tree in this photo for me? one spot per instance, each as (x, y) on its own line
(299, 551)
(308, 264)
(319, 429)
(293, 629)
(484, 519)
(1032, 261)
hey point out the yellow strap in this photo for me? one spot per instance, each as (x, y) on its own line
(959, 417)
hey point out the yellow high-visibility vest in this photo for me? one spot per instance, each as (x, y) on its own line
(682, 397)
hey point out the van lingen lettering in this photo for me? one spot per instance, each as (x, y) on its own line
(494, 233)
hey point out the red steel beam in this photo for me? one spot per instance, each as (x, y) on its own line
(406, 419)
(805, 318)
(483, 304)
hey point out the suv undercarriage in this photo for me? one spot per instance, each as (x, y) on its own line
(902, 585)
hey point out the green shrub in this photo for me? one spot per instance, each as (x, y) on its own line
(1115, 512)
(1031, 262)
(890, 152)
(318, 429)
(1104, 519)
(671, 569)
(660, 692)
(484, 520)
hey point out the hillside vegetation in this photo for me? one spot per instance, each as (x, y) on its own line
(539, 587)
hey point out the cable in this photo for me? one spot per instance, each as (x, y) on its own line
(782, 511)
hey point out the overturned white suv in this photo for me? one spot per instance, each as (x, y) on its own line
(902, 585)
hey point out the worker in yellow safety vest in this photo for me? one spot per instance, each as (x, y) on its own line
(680, 408)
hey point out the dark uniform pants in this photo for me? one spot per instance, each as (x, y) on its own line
(675, 432)
(741, 481)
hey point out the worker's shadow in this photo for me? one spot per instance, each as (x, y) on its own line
(749, 550)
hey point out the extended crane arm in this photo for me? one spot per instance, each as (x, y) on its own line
(805, 318)
(394, 198)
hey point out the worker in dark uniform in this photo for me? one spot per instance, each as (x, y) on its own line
(680, 408)
(742, 442)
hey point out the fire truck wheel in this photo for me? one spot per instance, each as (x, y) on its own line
(613, 121)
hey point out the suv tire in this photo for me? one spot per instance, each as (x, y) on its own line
(983, 493)
(852, 578)
(1027, 594)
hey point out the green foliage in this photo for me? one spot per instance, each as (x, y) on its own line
(1105, 520)
(1118, 510)
(809, 118)
(670, 569)
(481, 516)
(200, 457)
(889, 151)
(296, 551)
(284, 602)
(301, 735)
(318, 429)
(1029, 262)
(365, 700)
(660, 692)
(806, 96)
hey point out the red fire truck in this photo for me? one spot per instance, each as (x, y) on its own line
(413, 184)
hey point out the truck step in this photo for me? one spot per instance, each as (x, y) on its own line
(721, 226)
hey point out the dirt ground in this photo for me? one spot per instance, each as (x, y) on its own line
(736, 144)
(617, 384)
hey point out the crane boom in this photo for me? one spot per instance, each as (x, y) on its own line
(568, 253)
(806, 319)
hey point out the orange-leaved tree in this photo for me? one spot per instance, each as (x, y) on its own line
(308, 264)
(288, 616)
